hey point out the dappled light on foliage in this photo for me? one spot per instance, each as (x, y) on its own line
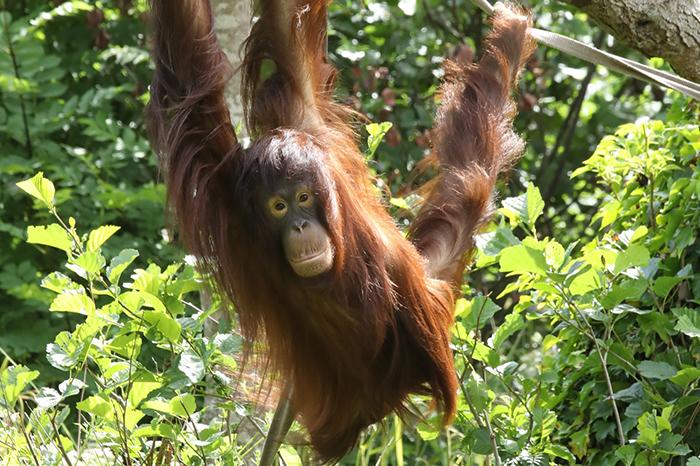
(577, 334)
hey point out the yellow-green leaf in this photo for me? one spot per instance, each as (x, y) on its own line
(39, 187)
(50, 235)
(91, 262)
(75, 301)
(98, 236)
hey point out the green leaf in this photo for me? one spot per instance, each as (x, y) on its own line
(480, 441)
(686, 376)
(554, 254)
(656, 370)
(628, 290)
(91, 262)
(639, 233)
(183, 405)
(493, 242)
(376, 131)
(562, 452)
(120, 263)
(96, 405)
(71, 387)
(535, 204)
(588, 280)
(549, 342)
(57, 282)
(141, 389)
(63, 355)
(75, 301)
(650, 427)
(40, 188)
(515, 209)
(480, 308)
(158, 430)
(399, 202)
(100, 235)
(429, 429)
(47, 398)
(485, 354)
(165, 324)
(663, 285)
(525, 208)
(688, 321)
(51, 235)
(191, 365)
(626, 454)
(13, 381)
(523, 259)
(512, 324)
(634, 256)
(128, 345)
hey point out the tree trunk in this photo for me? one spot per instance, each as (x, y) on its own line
(669, 29)
(232, 27)
(232, 22)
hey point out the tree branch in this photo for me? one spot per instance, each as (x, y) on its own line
(670, 30)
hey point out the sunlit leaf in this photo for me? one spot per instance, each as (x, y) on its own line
(100, 235)
(39, 188)
(53, 235)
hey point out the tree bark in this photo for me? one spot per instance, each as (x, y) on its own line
(658, 28)
(232, 21)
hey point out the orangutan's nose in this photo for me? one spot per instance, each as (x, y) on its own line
(300, 225)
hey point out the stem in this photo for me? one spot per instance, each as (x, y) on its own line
(281, 422)
(566, 133)
(603, 362)
(650, 172)
(58, 440)
(494, 444)
(15, 66)
(618, 422)
(26, 435)
(398, 441)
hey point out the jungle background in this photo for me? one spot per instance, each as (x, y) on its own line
(577, 339)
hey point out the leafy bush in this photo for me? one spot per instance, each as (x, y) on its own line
(73, 83)
(595, 358)
(580, 328)
(610, 372)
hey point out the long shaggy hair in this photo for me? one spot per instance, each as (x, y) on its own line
(377, 328)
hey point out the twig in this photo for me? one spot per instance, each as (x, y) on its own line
(281, 422)
(15, 66)
(494, 444)
(52, 419)
(26, 435)
(603, 362)
(566, 133)
(439, 22)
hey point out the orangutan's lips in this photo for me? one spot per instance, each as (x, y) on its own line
(313, 263)
(308, 258)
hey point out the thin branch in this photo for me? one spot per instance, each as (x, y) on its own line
(566, 133)
(26, 435)
(281, 422)
(15, 66)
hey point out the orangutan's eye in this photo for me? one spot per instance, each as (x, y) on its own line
(277, 206)
(304, 198)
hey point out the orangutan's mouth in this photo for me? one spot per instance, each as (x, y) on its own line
(313, 263)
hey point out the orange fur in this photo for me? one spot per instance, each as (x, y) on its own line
(378, 327)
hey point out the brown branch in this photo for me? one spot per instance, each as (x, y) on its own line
(657, 29)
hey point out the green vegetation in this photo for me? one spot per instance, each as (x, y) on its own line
(578, 337)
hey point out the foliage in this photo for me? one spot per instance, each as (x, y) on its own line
(576, 341)
(72, 86)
